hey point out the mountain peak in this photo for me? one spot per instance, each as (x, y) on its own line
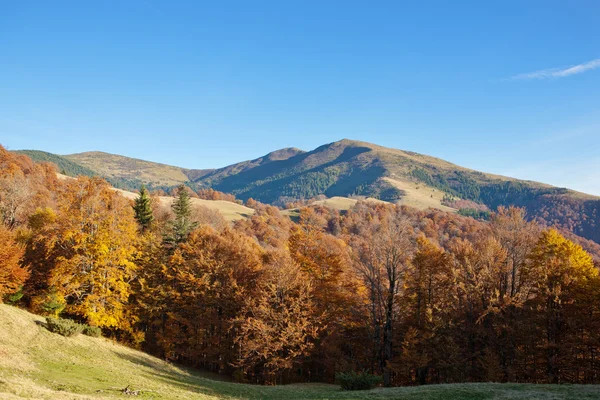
(351, 143)
(283, 154)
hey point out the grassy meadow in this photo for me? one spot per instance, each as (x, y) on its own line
(38, 364)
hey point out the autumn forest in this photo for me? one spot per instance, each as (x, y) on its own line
(413, 296)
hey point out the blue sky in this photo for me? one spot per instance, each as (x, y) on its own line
(509, 87)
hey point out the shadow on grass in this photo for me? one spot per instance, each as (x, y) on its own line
(42, 324)
(189, 379)
(221, 386)
(169, 377)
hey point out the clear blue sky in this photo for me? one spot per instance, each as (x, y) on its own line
(510, 87)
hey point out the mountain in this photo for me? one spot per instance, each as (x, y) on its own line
(350, 167)
(342, 168)
(353, 168)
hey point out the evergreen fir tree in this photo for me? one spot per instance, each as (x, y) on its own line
(143, 209)
(182, 208)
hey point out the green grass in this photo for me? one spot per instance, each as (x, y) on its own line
(37, 364)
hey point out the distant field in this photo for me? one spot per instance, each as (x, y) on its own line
(37, 364)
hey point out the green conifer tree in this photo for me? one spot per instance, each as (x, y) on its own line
(182, 208)
(143, 209)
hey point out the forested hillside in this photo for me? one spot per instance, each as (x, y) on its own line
(414, 296)
(576, 212)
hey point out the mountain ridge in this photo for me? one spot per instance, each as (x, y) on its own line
(196, 174)
(355, 168)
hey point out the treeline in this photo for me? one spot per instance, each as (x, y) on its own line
(549, 206)
(414, 296)
(210, 194)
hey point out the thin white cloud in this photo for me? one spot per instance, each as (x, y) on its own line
(574, 135)
(559, 72)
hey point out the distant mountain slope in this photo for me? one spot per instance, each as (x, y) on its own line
(131, 171)
(64, 165)
(337, 169)
(351, 167)
(348, 167)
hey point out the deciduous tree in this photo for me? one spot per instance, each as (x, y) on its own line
(92, 244)
(12, 274)
(276, 328)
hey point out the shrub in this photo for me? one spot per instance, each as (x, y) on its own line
(92, 331)
(357, 380)
(14, 298)
(65, 327)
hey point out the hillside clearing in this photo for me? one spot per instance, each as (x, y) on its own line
(37, 364)
(419, 195)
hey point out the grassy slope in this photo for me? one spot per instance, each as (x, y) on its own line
(116, 166)
(37, 364)
(419, 195)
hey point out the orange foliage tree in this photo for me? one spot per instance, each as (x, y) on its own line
(12, 274)
(202, 287)
(276, 329)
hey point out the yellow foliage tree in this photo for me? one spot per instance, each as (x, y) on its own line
(563, 273)
(92, 243)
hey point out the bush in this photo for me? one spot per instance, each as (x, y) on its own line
(357, 380)
(92, 331)
(65, 327)
(14, 298)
